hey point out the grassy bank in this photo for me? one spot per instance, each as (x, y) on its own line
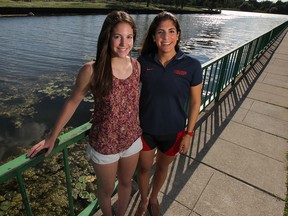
(82, 4)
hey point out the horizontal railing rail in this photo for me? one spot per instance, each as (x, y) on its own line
(217, 75)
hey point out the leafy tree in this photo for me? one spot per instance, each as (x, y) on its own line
(148, 3)
(265, 5)
(273, 10)
(246, 6)
(182, 4)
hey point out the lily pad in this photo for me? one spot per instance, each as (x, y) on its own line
(92, 197)
(5, 205)
(90, 178)
(80, 186)
(84, 194)
(82, 179)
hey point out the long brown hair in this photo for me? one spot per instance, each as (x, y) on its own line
(149, 45)
(101, 84)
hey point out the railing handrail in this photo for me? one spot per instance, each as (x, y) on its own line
(219, 73)
(11, 168)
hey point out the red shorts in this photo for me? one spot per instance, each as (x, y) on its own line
(167, 144)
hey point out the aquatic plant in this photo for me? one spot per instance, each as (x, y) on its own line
(19, 100)
(85, 188)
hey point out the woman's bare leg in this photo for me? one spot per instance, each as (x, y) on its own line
(106, 177)
(145, 164)
(162, 163)
(126, 170)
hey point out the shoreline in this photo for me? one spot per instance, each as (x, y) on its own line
(46, 11)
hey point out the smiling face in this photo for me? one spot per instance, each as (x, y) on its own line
(166, 37)
(121, 41)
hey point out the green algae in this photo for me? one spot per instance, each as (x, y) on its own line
(18, 100)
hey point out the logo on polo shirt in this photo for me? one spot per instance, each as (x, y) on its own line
(149, 69)
(180, 72)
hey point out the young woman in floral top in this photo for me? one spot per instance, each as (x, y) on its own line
(114, 138)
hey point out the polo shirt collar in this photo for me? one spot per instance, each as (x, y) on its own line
(179, 55)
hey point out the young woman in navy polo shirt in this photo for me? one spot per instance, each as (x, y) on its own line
(169, 77)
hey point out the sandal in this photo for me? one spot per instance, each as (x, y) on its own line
(141, 211)
(154, 209)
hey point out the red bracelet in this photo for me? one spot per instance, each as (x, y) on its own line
(191, 134)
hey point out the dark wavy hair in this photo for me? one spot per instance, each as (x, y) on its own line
(101, 83)
(149, 45)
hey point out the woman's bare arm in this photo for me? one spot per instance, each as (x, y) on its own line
(80, 90)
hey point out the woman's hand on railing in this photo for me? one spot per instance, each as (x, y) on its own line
(49, 144)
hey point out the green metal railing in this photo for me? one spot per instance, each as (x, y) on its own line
(222, 71)
(217, 75)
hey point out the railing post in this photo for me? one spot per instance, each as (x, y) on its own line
(24, 194)
(221, 79)
(248, 53)
(237, 64)
(68, 181)
(255, 48)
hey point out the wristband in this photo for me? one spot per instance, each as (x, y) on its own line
(191, 134)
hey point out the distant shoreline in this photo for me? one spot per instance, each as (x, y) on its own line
(45, 11)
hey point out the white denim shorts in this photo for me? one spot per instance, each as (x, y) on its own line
(99, 158)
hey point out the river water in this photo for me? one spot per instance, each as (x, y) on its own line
(40, 57)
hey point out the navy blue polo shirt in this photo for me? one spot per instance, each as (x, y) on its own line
(165, 91)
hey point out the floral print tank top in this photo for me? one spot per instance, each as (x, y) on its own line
(115, 123)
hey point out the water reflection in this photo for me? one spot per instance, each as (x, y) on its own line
(23, 136)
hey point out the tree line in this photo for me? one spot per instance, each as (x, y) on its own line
(265, 6)
(243, 5)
